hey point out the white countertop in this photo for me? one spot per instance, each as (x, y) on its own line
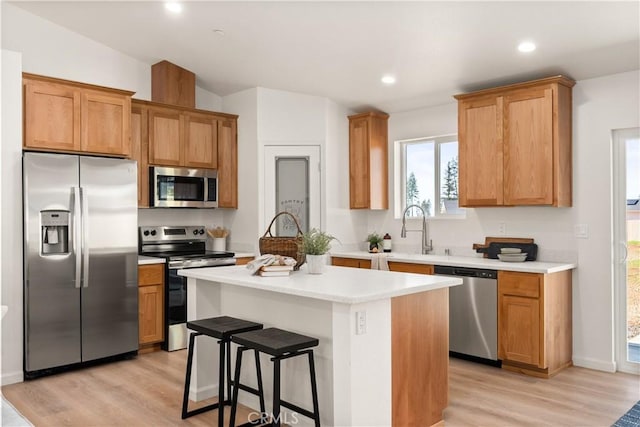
(336, 284)
(473, 262)
(144, 260)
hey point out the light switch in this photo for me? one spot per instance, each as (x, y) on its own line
(581, 231)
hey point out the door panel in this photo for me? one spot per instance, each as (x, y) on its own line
(52, 300)
(105, 123)
(110, 285)
(166, 133)
(201, 142)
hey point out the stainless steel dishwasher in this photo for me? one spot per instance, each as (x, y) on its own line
(473, 313)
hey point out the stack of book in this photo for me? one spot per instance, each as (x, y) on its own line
(275, 270)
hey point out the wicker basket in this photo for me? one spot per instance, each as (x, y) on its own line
(286, 246)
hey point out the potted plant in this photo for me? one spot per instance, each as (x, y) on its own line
(315, 244)
(375, 242)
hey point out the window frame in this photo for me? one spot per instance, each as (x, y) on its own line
(400, 154)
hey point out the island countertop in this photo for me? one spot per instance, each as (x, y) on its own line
(336, 284)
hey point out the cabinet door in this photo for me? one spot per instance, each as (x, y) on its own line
(150, 303)
(52, 116)
(359, 164)
(201, 141)
(105, 122)
(480, 152)
(166, 135)
(528, 147)
(140, 151)
(519, 329)
(227, 164)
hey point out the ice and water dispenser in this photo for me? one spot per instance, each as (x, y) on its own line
(54, 237)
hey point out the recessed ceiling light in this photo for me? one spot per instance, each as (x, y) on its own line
(388, 79)
(526, 47)
(218, 32)
(173, 6)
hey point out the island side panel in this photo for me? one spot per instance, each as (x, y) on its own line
(297, 314)
(203, 301)
(362, 364)
(420, 357)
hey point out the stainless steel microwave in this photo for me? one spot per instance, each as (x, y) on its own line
(183, 188)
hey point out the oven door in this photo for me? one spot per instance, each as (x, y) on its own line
(176, 311)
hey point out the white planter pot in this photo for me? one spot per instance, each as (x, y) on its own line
(315, 264)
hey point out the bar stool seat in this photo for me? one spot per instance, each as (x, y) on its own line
(281, 345)
(223, 328)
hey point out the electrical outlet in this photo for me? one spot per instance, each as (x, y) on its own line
(502, 229)
(361, 322)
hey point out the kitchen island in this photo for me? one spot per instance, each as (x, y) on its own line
(388, 368)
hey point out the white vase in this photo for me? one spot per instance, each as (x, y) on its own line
(315, 264)
(219, 244)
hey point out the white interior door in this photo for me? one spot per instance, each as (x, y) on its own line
(626, 228)
(292, 184)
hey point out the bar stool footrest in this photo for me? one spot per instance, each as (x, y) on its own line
(193, 412)
(298, 409)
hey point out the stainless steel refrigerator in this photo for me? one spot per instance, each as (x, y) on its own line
(80, 260)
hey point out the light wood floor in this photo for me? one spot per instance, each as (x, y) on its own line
(147, 391)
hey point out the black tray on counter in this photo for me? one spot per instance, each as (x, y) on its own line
(494, 248)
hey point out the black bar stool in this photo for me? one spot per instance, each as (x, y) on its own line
(281, 345)
(222, 328)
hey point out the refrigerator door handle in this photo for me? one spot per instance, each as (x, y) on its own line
(77, 226)
(85, 243)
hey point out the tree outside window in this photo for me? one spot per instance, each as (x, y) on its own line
(430, 171)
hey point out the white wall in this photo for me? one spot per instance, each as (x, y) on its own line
(48, 49)
(599, 105)
(11, 226)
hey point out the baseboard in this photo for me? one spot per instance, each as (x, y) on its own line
(12, 378)
(598, 365)
(204, 393)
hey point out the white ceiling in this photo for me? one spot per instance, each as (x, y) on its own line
(340, 50)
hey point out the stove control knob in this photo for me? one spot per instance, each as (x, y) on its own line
(201, 231)
(195, 232)
(146, 232)
(153, 232)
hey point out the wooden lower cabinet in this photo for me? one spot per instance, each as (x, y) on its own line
(534, 322)
(350, 262)
(408, 267)
(150, 306)
(244, 260)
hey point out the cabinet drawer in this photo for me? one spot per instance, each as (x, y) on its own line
(150, 275)
(519, 284)
(407, 267)
(345, 262)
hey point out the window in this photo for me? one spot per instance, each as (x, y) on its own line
(428, 176)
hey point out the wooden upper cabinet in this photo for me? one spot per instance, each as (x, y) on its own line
(368, 161)
(528, 147)
(201, 141)
(61, 115)
(227, 164)
(105, 123)
(480, 157)
(166, 137)
(52, 116)
(140, 150)
(515, 144)
(174, 136)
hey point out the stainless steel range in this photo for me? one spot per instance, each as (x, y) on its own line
(182, 247)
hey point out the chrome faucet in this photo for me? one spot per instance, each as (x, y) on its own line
(427, 244)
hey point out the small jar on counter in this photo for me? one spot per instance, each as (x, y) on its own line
(386, 243)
